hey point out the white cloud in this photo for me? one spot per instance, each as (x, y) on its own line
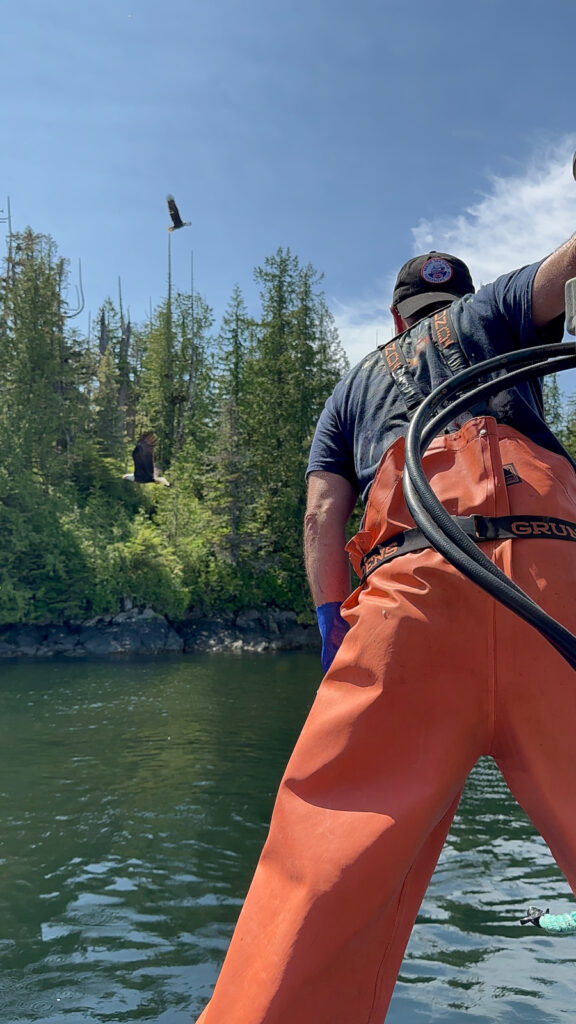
(519, 219)
(363, 326)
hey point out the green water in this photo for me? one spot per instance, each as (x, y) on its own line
(134, 801)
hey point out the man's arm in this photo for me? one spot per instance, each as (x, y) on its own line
(549, 283)
(331, 500)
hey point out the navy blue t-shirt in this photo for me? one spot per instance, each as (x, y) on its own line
(366, 412)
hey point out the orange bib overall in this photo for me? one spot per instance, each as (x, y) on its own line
(433, 674)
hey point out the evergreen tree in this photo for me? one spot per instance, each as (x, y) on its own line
(229, 492)
(43, 367)
(125, 369)
(554, 410)
(156, 385)
(174, 383)
(110, 396)
(194, 372)
(296, 362)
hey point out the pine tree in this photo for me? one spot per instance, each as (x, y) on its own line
(194, 384)
(43, 366)
(229, 492)
(296, 362)
(173, 391)
(110, 395)
(156, 385)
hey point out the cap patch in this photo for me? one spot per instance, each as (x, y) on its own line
(436, 271)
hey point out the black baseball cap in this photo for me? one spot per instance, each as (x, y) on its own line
(426, 279)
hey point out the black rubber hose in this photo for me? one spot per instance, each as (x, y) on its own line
(416, 444)
(461, 402)
(429, 514)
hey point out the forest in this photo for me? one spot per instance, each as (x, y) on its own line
(233, 407)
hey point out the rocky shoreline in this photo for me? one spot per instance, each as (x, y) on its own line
(145, 632)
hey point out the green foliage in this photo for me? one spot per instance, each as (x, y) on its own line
(151, 574)
(43, 366)
(112, 392)
(554, 410)
(560, 413)
(234, 415)
(43, 574)
(292, 366)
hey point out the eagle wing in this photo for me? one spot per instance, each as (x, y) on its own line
(177, 221)
(143, 456)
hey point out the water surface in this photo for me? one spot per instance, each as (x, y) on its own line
(134, 801)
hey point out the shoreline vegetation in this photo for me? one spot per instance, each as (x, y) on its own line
(94, 564)
(233, 408)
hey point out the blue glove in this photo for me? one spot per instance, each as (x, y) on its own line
(333, 629)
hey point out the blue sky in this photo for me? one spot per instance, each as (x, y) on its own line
(357, 134)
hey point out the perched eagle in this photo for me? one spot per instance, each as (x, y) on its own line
(177, 221)
(145, 471)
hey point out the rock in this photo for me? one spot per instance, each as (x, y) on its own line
(100, 643)
(132, 632)
(136, 614)
(59, 641)
(142, 631)
(22, 641)
(251, 621)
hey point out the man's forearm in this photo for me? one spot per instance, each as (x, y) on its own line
(327, 565)
(550, 281)
(331, 499)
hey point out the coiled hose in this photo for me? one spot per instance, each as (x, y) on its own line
(455, 396)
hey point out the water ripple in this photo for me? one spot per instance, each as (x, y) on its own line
(134, 803)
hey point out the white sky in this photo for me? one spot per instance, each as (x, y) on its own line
(355, 134)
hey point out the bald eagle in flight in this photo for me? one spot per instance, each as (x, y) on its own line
(177, 221)
(145, 470)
